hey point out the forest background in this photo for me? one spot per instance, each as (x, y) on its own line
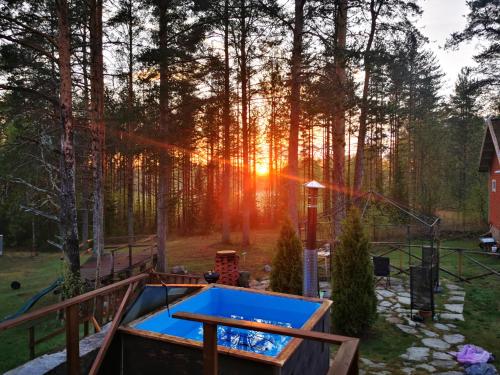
(198, 116)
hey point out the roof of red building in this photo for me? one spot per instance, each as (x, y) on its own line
(491, 144)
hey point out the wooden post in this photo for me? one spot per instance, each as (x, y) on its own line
(460, 262)
(31, 332)
(72, 340)
(210, 360)
(112, 264)
(112, 330)
(354, 369)
(98, 310)
(86, 327)
(130, 256)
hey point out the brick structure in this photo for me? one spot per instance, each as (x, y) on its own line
(227, 265)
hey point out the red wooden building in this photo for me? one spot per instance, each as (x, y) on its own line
(490, 162)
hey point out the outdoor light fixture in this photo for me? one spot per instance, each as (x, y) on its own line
(310, 278)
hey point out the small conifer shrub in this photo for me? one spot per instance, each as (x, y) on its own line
(353, 289)
(286, 273)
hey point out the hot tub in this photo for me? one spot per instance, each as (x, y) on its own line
(161, 344)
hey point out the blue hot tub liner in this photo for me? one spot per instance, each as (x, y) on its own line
(236, 304)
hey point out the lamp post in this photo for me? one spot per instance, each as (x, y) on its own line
(310, 278)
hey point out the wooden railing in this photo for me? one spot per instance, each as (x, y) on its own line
(148, 242)
(124, 260)
(92, 309)
(107, 304)
(345, 361)
(141, 264)
(173, 278)
(98, 306)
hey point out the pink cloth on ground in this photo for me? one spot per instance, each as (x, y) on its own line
(471, 354)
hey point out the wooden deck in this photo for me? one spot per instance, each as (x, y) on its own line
(120, 262)
(107, 298)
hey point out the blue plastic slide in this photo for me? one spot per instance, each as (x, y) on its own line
(29, 304)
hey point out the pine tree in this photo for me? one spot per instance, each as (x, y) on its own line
(353, 290)
(286, 276)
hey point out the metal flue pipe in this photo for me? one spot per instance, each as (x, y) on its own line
(310, 277)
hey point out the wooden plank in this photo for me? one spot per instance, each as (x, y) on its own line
(58, 332)
(167, 278)
(262, 327)
(257, 291)
(99, 309)
(72, 339)
(178, 285)
(31, 341)
(111, 332)
(116, 262)
(50, 335)
(69, 302)
(210, 354)
(460, 263)
(261, 358)
(97, 327)
(345, 361)
(85, 328)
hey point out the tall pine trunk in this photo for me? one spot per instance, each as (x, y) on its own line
(97, 128)
(244, 130)
(130, 128)
(338, 137)
(226, 220)
(85, 167)
(164, 170)
(327, 193)
(67, 214)
(360, 150)
(293, 141)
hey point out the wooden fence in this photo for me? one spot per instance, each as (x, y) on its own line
(122, 261)
(90, 310)
(107, 304)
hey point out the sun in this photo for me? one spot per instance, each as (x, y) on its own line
(262, 169)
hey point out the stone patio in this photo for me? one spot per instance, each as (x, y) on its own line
(434, 340)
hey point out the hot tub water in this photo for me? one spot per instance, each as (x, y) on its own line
(235, 304)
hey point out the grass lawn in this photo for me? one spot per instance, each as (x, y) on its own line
(384, 343)
(34, 274)
(197, 253)
(481, 309)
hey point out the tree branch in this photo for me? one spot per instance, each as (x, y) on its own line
(40, 213)
(49, 38)
(31, 91)
(31, 46)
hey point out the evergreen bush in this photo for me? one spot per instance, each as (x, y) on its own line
(72, 285)
(286, 273)
(353, 289)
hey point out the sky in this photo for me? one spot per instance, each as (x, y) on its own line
(440, 18)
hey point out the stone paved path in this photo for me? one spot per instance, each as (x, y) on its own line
(434, 340)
